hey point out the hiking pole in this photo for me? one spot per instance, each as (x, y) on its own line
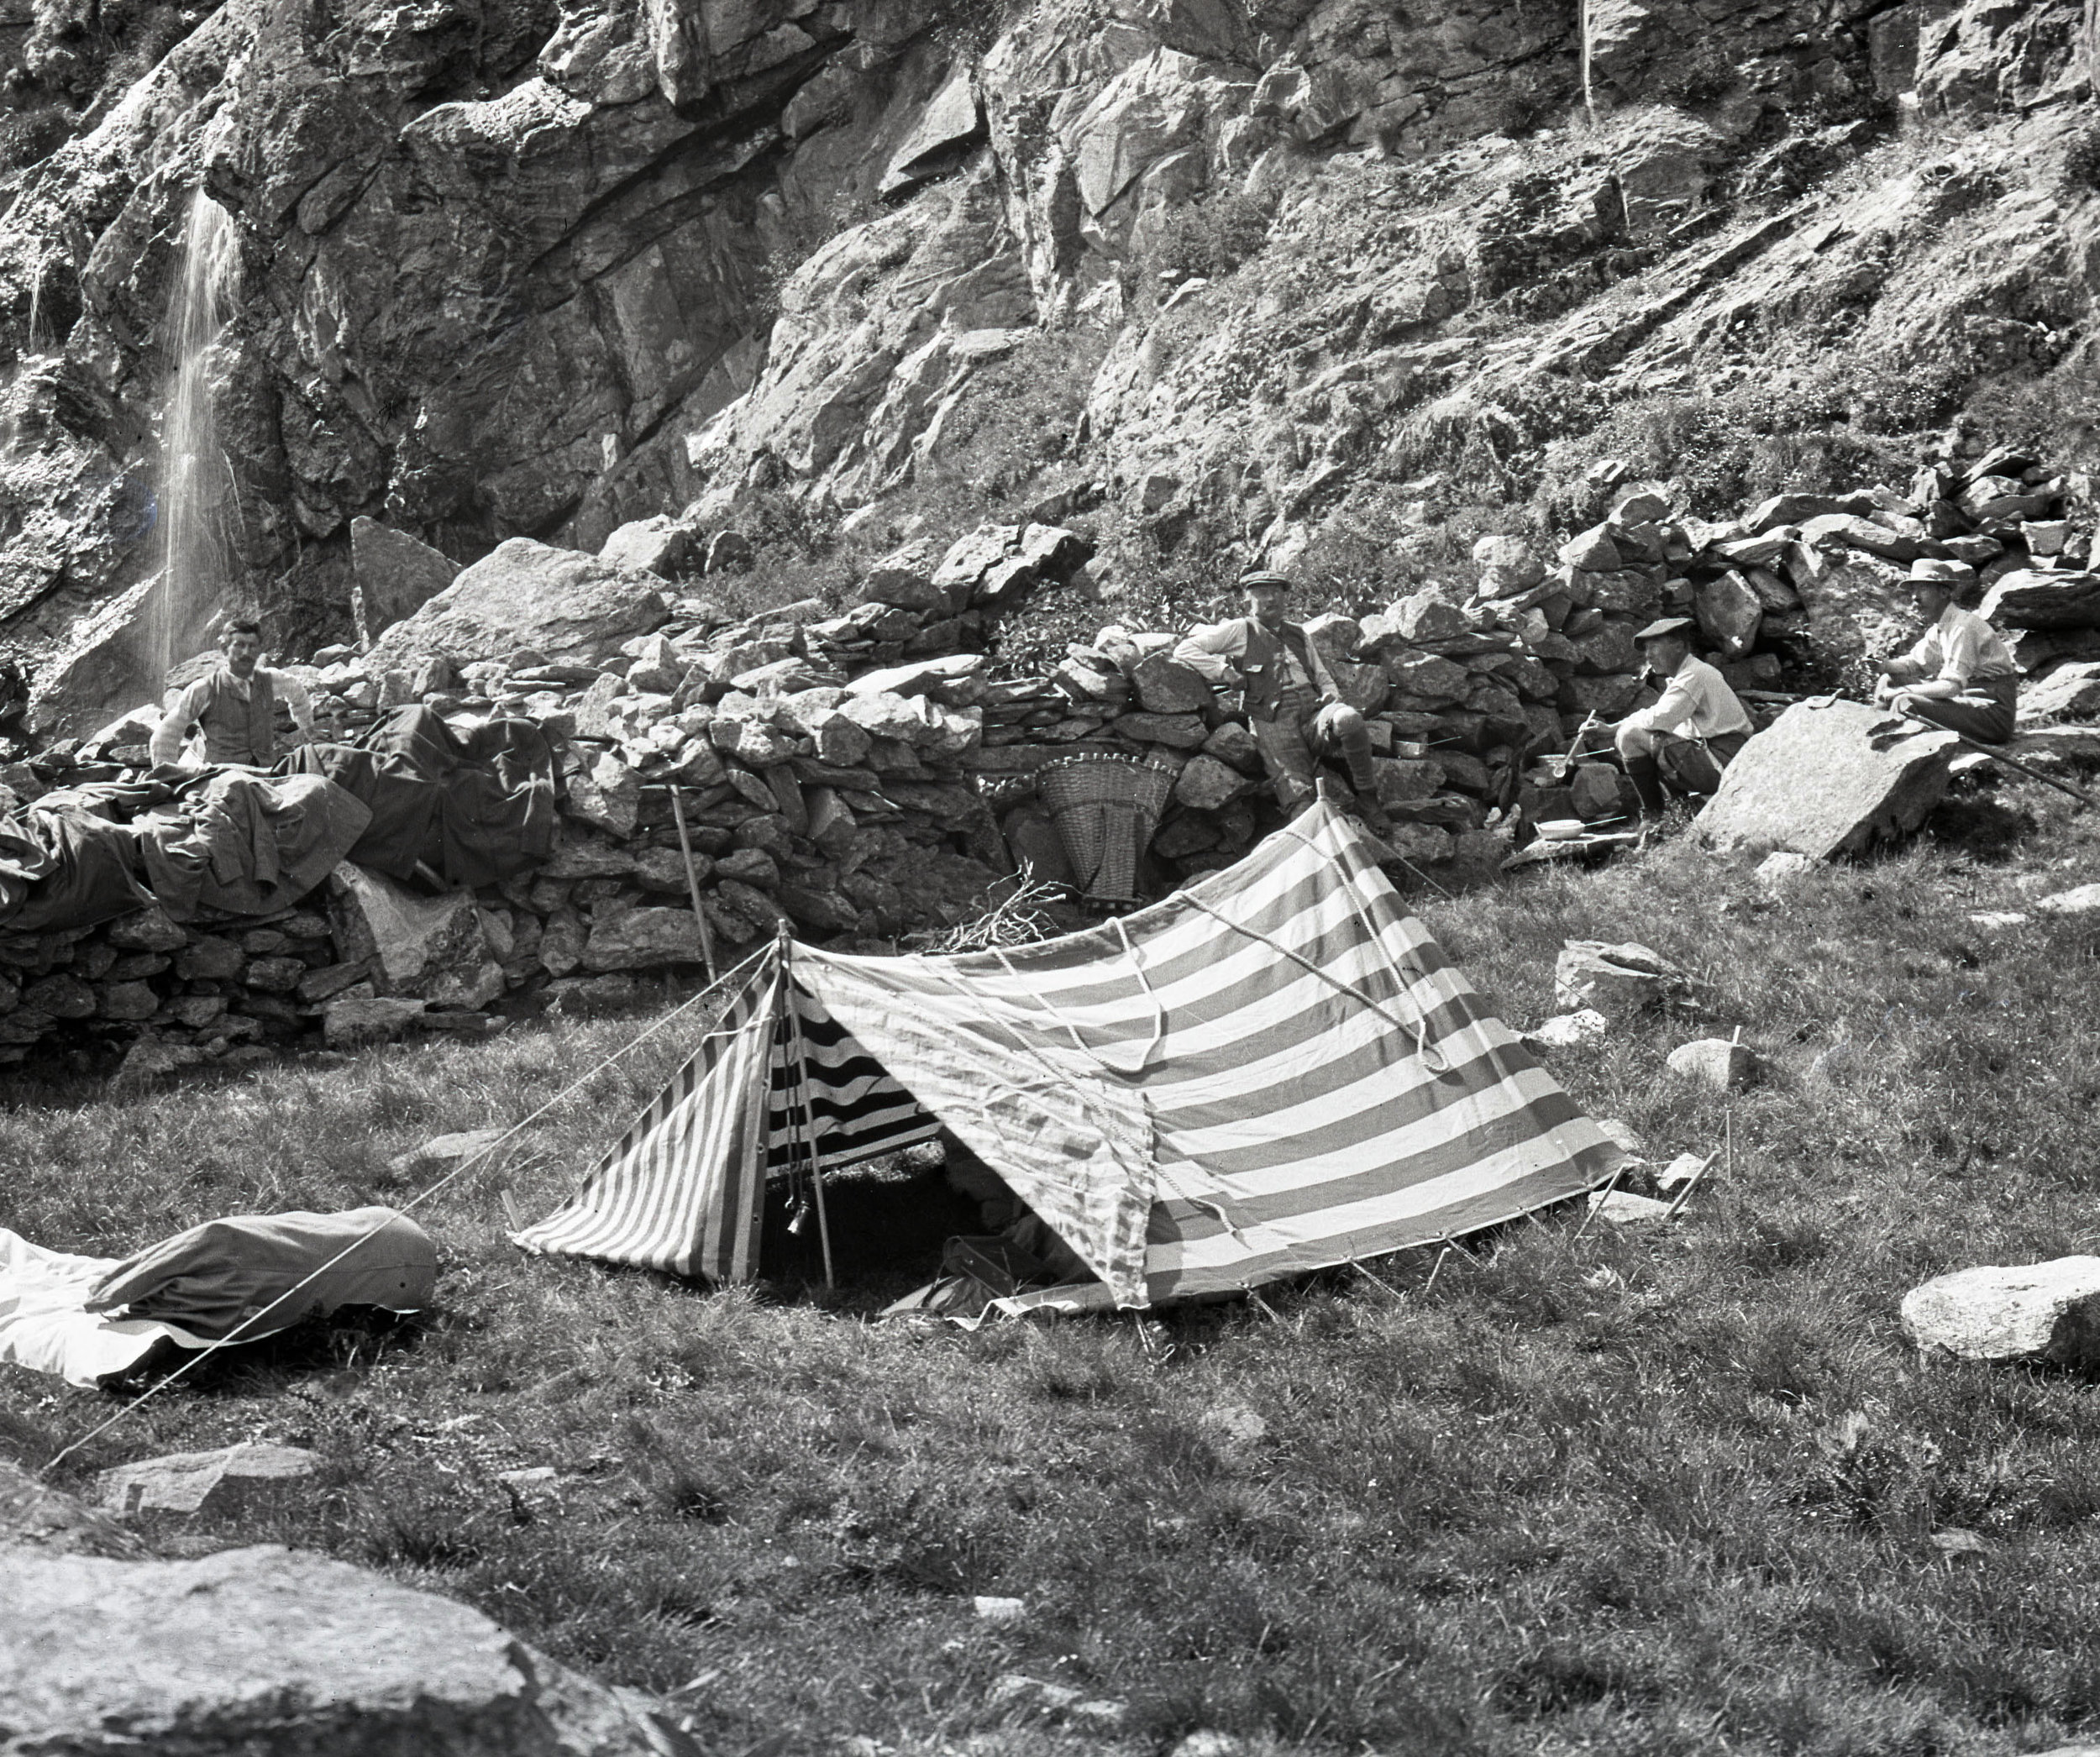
(692, 882)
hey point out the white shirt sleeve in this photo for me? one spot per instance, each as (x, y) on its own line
(1207, 648)
(1673, 710)
(294, 692)
(166, 744)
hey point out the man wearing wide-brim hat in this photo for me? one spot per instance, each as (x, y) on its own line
(1692, 733)
(1961, 675)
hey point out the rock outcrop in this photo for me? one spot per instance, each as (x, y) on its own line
(265, 1651)
(518, 269)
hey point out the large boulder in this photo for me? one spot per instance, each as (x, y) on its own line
(2030, 1312)
(903, 580)
(1166, 686)
(570, 608)
(1730, 612)
(266, 1653)
(998, 565)
(2070, 692)
(658, 545)
(1828, 778)
(392, 575)
(2034, 598)
(411, 945)
(1616, 980)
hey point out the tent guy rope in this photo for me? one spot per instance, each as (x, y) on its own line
(459, 1171)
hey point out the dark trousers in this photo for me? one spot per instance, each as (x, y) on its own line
(1688, 766)
(1986, 711)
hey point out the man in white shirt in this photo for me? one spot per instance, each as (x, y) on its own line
(1690, 735)
(1294, 707)
(1961, 675)
(234, 706)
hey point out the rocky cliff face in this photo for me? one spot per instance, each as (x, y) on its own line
(1323, 273)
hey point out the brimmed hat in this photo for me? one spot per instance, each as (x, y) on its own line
(1954, 574)
(1254, 577)
(1679, 626)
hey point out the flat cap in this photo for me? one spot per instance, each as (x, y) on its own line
(1263, 576)
(1681, 627)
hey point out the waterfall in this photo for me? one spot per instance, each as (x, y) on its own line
(36, 301)
(197, 489)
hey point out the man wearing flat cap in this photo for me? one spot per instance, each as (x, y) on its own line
(1693, 733)
(1294, 707)
(1961, 675)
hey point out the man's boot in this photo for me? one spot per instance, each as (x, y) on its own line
(1647, 781)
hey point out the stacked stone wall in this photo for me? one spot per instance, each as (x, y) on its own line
(858, 778)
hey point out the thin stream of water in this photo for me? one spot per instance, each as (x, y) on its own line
(197, 489)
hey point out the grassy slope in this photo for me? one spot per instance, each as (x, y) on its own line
(1537, 1506)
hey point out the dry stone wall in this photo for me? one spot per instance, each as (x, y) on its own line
(859, 776)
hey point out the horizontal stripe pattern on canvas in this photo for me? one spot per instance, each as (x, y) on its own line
(1323, 1084)
(858, 1112)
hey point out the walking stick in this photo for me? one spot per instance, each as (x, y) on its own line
(1998, 755)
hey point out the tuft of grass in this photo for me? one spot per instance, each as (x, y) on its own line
(1666, 1490)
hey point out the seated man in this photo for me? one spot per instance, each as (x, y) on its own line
(1293, 708)
(235, 707)
(1961, 675)
(1693, 733)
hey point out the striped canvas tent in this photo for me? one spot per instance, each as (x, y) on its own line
(1273, 1069)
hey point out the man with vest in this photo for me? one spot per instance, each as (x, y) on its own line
(1692, 733)
(1293, 708)
(234, 706)
(1961, 675)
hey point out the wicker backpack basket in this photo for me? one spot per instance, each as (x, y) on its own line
(1105, 808)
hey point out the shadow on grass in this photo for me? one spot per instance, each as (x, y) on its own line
(337, 1350)
(1980, 828)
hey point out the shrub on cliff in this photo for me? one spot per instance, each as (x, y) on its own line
(2058, 412)
(2082, 159)
(1209, 238)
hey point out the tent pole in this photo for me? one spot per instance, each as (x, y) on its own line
(802, 1111)
(692, 882)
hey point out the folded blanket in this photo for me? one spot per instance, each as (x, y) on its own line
(91, 1317)
(267, 1272)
